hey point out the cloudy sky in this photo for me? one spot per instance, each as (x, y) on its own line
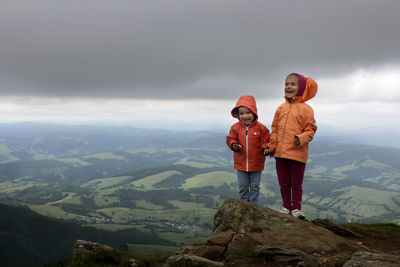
(182, 61)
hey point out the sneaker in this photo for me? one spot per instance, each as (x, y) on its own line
(284, 210)
(298, 214)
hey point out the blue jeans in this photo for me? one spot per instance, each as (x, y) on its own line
(249, 186)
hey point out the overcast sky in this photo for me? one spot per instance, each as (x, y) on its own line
(185, 61)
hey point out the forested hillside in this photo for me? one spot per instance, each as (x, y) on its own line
(28, 239)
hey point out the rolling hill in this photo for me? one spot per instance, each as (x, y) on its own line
(171, 183)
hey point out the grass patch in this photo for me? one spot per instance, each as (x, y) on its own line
(197, 216)
(76, 162)
(110, 226)
(215, 178)
(101, 199)
(187, 205)
(70, 198)
(195, 164)
(146, 205)
(187, 237)
(390, 228)
(364, 202)
(105, 182)
(149, 181)
(55, 212)
(105, 155)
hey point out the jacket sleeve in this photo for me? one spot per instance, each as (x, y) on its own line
(273, 140)
(265, 137)
(232, 137)
(309, 129)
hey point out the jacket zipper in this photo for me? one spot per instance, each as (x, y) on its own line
(284, 131)
(247, 148)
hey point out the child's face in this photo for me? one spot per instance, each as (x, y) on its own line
(245, 115)
(291, 86)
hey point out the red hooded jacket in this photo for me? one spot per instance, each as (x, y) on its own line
(253, 138)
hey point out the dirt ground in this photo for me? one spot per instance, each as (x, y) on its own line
(388, 243)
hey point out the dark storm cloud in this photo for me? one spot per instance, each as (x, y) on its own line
(187, 49)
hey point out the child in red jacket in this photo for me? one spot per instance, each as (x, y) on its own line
(248, 138)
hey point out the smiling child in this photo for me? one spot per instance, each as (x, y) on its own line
(247, 138)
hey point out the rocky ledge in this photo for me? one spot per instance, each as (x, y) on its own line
(249, 235)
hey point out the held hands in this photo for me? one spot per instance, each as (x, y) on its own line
(267, 152)
(296, 141)
(236, 147)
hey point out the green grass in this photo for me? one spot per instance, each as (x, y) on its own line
(110, 226)
(197, 216)
(105, 182)
(74, 161)
(365, 202)
(16, 185)
(114, 226)
(146, 205)
(391, 228)
(101, 199)
(71, 198)
(192, 163)
(340, 170)
(216, 179)
(375, 164)
(186, 205)
(149, 181)
(187, 237)
(56, 212)
(105, 155)
(6, 155)
(319, 170)
(266, 192)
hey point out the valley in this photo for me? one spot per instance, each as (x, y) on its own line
(128, 178)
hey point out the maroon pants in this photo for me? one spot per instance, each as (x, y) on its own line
(290, 176)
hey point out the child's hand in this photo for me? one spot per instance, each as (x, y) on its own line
(266, 151)
(236, 147)
(297, 141)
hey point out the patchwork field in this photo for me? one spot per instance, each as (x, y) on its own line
(127, 178)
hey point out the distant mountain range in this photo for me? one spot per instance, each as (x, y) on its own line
(170, 183)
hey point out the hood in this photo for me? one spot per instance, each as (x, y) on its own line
(247, 101)
(310, 91)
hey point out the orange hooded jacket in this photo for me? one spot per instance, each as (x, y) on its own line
(294, 119)
(253, 138)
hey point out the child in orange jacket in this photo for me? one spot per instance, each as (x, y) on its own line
(248, 138)
(293, 128)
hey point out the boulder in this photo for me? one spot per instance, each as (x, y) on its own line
(245, 230)
(83, 247)
(372, 259)
(191, 260)
(86, 253)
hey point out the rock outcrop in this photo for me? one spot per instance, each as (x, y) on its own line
(82, 248)
(86, 253)
(371, 259)
(249, 235)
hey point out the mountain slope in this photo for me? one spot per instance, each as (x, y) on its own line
(27, 238)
